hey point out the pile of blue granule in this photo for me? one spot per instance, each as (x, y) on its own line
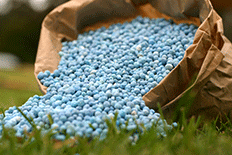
(103, 72)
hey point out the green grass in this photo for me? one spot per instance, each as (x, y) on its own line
(12, 97)
(190, 137)
(16, 86)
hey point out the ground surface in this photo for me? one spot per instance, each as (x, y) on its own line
(194, 137)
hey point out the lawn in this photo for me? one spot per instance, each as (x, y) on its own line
(17, 85)
(190, 137)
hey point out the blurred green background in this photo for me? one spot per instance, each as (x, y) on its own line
(20, 24)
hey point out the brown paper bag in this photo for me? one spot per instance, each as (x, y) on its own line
(209, 57)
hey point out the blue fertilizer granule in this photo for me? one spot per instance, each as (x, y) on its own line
(103, 72)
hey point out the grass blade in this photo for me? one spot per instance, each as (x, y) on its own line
(29, 121)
